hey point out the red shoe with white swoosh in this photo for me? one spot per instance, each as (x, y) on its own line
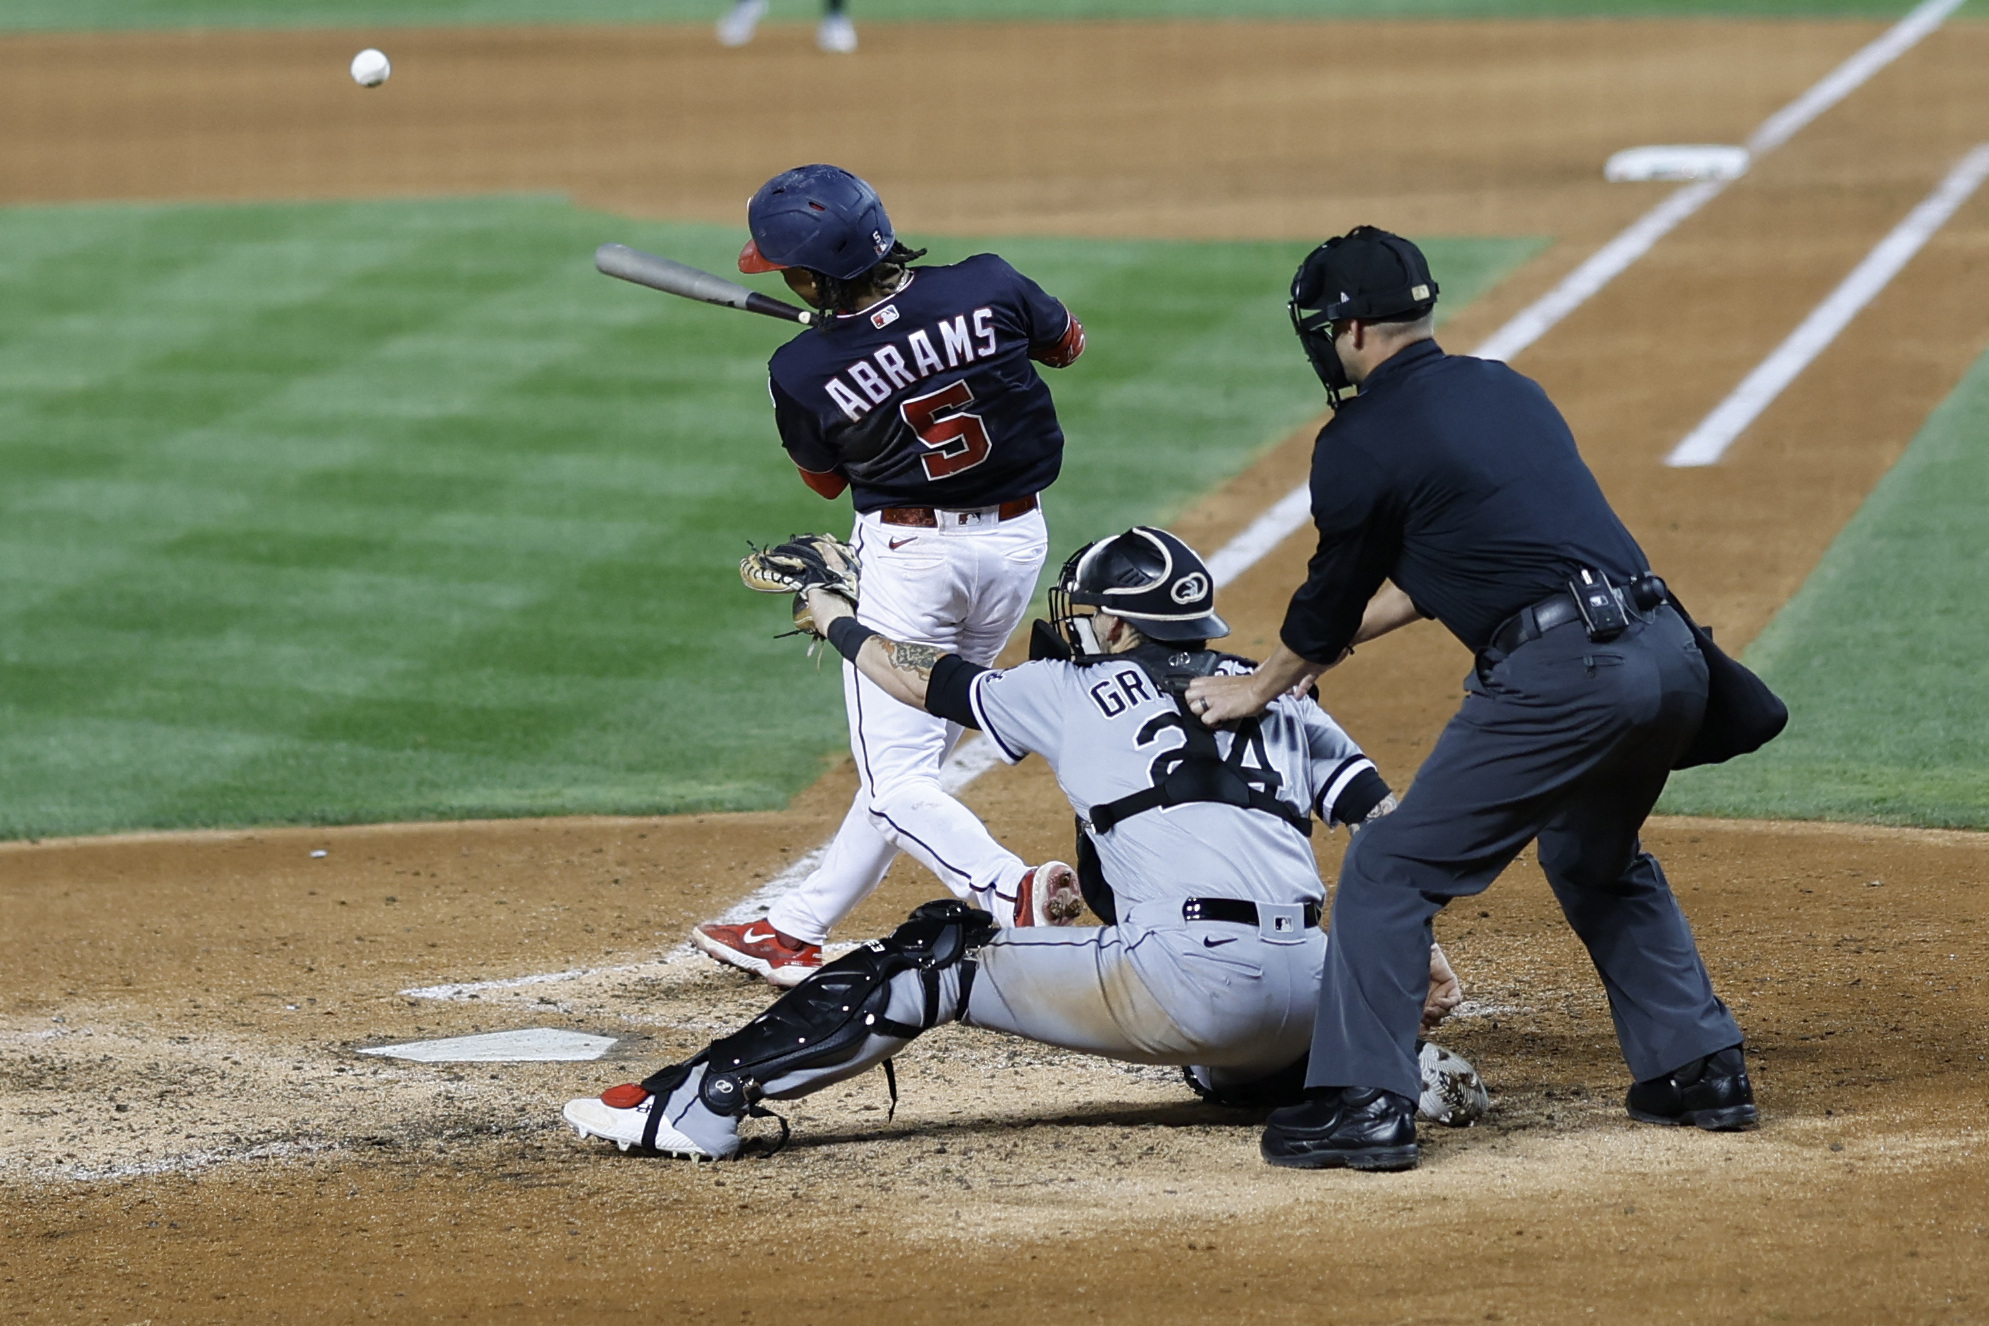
(759, 948)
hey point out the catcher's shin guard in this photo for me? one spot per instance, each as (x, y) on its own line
(823, 1024)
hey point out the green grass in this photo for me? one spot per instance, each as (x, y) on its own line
(351, 512)
(88, 14)
(1881, 655)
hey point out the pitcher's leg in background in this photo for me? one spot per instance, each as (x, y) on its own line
(836, 34)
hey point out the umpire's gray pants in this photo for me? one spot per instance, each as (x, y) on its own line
(1569, 741)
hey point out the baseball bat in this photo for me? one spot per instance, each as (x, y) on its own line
(676, 278)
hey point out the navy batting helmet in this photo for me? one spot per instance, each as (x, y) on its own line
(819, 217)
(1146, 576)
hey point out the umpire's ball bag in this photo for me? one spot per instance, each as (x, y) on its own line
(1742, 714)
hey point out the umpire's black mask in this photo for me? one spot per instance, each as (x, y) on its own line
(1366, 273)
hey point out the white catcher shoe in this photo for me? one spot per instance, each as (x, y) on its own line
(836, 34)
(736, 28)
(608, 1118)
(1453, 1094)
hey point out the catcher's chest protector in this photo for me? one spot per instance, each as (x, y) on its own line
(1198, 770)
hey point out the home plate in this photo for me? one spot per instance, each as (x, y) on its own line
(1677, 161)
(533, 1045)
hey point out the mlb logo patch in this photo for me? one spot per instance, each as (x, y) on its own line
(884, 317)
(1281, 923)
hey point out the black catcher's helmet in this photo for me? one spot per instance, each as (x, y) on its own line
(1145, 575)
(1366, 273)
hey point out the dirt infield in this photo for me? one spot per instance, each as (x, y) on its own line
(189, 1138)
(174, 1002)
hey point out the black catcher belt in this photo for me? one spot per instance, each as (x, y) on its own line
(1236, 910)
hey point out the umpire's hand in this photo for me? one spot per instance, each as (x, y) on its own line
(1218, 700)
(1446, 991)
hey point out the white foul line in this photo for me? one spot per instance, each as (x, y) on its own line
(1848, 77)
(975, 756)
(1705, 444)
(1290, 513)
(1603, 266)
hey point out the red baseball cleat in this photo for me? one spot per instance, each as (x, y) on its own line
(760, 949)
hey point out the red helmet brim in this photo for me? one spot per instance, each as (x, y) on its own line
(751, 261)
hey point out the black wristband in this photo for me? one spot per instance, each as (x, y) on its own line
(949, 693)
(1363, 792)
(847, 634)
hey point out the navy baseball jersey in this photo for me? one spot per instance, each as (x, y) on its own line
(928, 398)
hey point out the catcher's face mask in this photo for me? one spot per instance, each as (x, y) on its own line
(1079, 631)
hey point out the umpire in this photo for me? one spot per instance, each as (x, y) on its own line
(1451, 488)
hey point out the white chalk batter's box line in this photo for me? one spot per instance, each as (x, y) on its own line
(1292, 511)
(1707, 443)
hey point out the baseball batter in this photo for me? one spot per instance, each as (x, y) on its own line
(1200, 846)
(921, 398)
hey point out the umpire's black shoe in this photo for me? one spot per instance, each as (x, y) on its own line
(1346, 1127)
(1711, 1093)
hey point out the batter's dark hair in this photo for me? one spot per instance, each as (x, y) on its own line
(846, 296)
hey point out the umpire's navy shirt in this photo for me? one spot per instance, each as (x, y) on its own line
(1457, 479)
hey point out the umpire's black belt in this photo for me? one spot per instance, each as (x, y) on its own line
(1529, 624)
(1556, 610)
(1235, 909)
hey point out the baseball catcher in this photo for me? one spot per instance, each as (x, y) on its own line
(1194, 845)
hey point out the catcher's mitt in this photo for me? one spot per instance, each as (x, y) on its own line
(804, 562)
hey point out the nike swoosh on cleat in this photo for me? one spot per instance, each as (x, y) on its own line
(1217, 943)
(749, 937)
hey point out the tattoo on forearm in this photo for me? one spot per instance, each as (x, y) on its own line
(1386, 806)
(912, 658)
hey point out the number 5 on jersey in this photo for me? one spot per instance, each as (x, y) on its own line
(959, 440)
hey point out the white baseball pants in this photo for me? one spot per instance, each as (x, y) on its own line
(962, 587)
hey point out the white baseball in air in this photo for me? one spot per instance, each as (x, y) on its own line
(370, 68)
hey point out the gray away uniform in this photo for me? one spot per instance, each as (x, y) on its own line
(1236, 998)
